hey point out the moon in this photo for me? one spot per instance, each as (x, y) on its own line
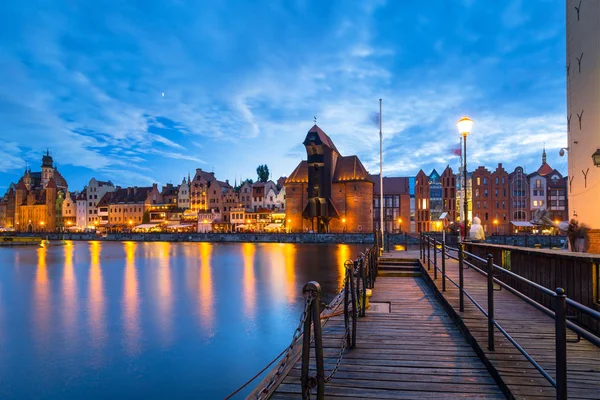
(163, 94)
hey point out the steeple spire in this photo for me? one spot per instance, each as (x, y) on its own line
(544, 155)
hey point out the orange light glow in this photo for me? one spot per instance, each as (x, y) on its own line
(206, 289)
(165, 291)
(130, 305)
(96, 296)
(249, 282)
(343, 254)
(42, 311)
(69, 289)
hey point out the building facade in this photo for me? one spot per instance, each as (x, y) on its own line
(422, 215)
(328, 192)
(583, 118)
(396, 204)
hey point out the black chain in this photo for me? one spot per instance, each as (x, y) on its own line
(263, 393)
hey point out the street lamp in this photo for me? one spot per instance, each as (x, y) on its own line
(596, 158)
(496, 223)
(344, 222)
(464, 125)
(400, 224)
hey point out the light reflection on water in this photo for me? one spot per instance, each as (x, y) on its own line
(101, 319)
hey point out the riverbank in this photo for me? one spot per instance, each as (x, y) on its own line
(333, 238)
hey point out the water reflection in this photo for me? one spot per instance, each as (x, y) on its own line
(165, 294)
(96, 296)
(343, 254)
(206, 297)
(249, 280)
(131, 302)
(289, 260)
(42, 298)
(69, 286)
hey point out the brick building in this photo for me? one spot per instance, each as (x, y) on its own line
(396, 203)
(448, 181)
(328, 192)
(422, 214)
(500, 201)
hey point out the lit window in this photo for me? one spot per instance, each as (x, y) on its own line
(535, 203)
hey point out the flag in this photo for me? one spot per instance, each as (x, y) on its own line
(456, 151)
(374, 118)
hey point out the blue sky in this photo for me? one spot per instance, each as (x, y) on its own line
(242, 81)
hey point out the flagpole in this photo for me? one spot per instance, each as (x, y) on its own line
(381, 178)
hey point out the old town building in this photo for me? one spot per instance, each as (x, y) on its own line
(396, 203)
(499, 206)
(95, 191)
(34, 204)
(328, 192)
(422, 215)
(69, 211)
(183, 194)
(448, 181)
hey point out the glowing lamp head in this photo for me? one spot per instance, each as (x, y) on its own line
(42, 222)
(495, 221)
(464, 125)
(399, 220)
(344, 220)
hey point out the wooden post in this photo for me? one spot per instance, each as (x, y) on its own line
(490, 281)
(313, 319)
(560, 320)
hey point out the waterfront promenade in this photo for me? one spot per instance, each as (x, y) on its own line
(424, 346)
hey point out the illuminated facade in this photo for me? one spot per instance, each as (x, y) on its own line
(583, 116)
(328, 192)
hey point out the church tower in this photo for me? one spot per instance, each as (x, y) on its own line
(47, 169)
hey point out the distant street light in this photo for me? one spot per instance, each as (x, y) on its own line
(496, 223)
(464, 126)
(400, 224)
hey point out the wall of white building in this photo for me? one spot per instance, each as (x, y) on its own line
(583, 105)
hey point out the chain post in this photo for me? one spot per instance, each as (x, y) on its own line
(443, 266)
(490, 287)
(560, 320)
(434, 259)
(348, 264)
(461, 278)
(312, 294)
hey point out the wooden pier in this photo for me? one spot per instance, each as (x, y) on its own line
(414, 342)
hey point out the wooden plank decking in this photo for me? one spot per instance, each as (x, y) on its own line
(532, 329)
(416, 351)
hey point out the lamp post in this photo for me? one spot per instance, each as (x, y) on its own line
(464, 125)
(344, 222)
(289, 225)
(496, 223)
(596, 158)
(400, 224)
(380, 179)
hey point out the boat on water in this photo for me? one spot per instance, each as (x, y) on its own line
(20, 241)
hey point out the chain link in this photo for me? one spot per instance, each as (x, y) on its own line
(263, 393)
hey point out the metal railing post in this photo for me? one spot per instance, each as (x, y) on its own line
(490, 284)
(405, 242)
(461, 279)
(313, 319)
(560, 320)
(353, 299)
(421, 246)
(443, 267)
(348, 265)
(363, 278)
(434, 258)
(428, 252)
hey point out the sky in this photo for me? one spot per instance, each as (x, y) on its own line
(147, 91)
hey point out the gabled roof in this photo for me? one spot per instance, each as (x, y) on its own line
(326, 140)
(350, 169)
(300, 174)
(105, 200)
(545, 169)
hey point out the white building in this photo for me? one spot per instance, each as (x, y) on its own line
(583, 112)
(82, 213)
(183, 195)
(537, 193)
(206, 219)
(69, 210)
(95, 191)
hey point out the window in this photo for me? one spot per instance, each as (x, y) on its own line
(503, 184)
(542, 192)
(485, 193)
(496, 192)
(496, 180)
(486, 216)
(478, 181)
(541, 203)
(476, 192)
(535, 203)
(538, 183)
(535, 192)
(485, 181)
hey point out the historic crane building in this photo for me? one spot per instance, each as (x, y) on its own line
(328, 192)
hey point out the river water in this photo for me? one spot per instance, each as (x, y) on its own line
(151, 320)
